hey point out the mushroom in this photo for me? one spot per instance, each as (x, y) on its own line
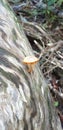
(30, 61)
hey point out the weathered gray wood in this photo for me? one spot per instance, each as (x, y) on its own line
(25, 103)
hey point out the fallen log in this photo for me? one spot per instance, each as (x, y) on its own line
(25, 101)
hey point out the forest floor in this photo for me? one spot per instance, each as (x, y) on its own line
(45, 34)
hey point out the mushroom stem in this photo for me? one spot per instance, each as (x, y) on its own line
(31, 67)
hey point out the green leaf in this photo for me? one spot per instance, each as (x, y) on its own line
(34, 12)
(59, 2)
(51, 2)
(56, 103)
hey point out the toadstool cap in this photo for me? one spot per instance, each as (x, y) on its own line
(30, 60)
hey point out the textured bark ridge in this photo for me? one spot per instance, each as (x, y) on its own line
(24, 100)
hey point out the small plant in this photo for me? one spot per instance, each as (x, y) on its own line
(52, 6)
(56, 103)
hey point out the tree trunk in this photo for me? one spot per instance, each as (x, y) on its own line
(25, 101)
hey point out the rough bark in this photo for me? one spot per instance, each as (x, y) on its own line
(25, 102)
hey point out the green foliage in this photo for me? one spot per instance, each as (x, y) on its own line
(51, 2)
(49, 12)
(14, 1)
(34, 12)
(59, 2)
(56, 103)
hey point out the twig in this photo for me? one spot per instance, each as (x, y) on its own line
(48, 71)
(56, 91)
(38, 45)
